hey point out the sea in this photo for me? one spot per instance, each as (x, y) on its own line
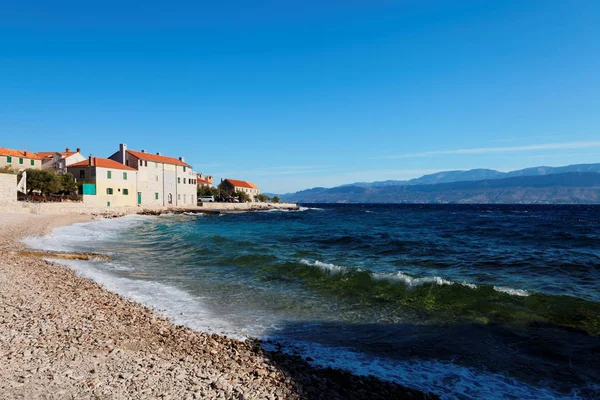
(464, 301)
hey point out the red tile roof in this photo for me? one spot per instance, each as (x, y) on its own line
(103, 163)
(19, 153)
(157, 158)
(49, 154)
(243, 184)
(203, 182)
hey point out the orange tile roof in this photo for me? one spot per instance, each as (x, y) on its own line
(244, 184)
(45, 154)
(157, 158)
(202, 181)
(103, 163)
(19, 153)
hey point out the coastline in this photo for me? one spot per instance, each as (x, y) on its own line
(63, 335)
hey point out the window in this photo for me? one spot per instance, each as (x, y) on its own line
(8, 159)
(20, 160)
(127, 162)
(32, 162)
(184, 180)
(81, 173)
(109, 191)
(125, 192)
(183, 169)
(141, 163)
(178, 180)
(109, 174)
(124, 176)
(145, 163)
(179, 197)
(155, 196)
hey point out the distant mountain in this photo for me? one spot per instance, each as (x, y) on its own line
(481, 174)
(544, 188)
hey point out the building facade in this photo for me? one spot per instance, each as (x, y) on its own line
(161, 180)
(60, 160)
(114, 184)
(243, 186)
(19, 160)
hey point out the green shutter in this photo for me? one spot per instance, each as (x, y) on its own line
(20, 160)
(178, 180)
(156, 196)
(8, 159)
(32, 162)
(125, 176)
(125, 192)
(109, 174)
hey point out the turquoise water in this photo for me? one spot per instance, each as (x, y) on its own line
(471, 301)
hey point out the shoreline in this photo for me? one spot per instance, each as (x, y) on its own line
(63, 335)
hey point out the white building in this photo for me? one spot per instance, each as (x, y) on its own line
(161, 180)
(60, 160)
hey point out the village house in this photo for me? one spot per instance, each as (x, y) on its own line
(204, 180)
(19, 160)
(108, 183)
(60, 160)
(236, 185)
(161, 180)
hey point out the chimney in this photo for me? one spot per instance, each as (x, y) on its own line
(123, 153)
(181, 159)
(91, 161)
(67, 149)
(158, 154)
(25, 153)
(143, 151)
(78, 150)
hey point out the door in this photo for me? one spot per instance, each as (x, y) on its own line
(139, 197)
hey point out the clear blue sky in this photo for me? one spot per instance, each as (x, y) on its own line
(297, 94)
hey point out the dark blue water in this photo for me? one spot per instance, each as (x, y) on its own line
(461, 300)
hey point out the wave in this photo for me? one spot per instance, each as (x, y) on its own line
(336, 269)
(310, 209)
(439, 299)
(511, 291)
(398, 276)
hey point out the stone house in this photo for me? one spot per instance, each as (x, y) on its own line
(60, 160)
(111, 184)
(161, 180)
(243, 186)
(19, 160)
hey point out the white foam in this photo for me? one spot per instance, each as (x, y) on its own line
(75, 236)
(410, 281)
(395, 277)
(511, 291)
(310, 209)
(179, 306)
(336, 269)
(445, 379)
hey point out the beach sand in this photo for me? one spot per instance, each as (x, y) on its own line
(65, 337)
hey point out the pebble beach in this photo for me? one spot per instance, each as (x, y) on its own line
(65, 337)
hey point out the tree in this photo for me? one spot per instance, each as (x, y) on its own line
(8, 169)
(67, 183)
(262, 197)
(43, 180)
(243, 196)
(275, 199)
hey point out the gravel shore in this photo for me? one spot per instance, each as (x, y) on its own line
(65, 337)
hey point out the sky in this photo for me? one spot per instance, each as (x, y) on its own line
(298, 94)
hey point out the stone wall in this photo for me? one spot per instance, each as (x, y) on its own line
(8, 189)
